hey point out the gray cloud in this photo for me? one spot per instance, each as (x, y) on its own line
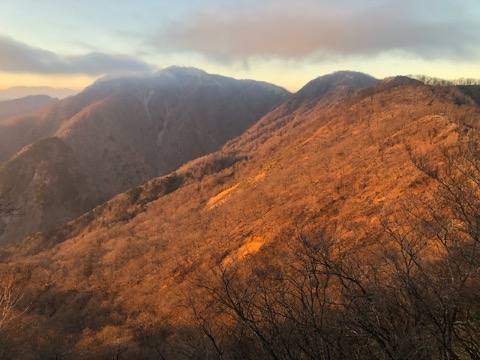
(19, 57)
(314, 31)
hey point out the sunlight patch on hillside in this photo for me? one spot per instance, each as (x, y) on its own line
(257, 178)
(252, 245)
(220, 197)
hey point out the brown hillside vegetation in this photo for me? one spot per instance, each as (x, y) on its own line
(331, 229)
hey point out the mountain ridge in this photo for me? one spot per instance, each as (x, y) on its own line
(23, 106)
(233, 151)
(124, 131)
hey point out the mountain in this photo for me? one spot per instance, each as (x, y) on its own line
(340, 82)
(117, 134)
(23, 106)
(137, 275)
(17, 92)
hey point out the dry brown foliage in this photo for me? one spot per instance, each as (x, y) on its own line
(124, 278)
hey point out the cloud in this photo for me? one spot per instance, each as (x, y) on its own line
(312, 30)
(20, 57)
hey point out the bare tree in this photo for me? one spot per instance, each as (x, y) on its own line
(7, 210)
(9, 299)
(10, 296)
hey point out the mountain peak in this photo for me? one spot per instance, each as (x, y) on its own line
(335, 83)
(183, 70)
(402, 80)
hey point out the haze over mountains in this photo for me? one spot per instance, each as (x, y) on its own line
(123, 278)
(23, 106)
(17, 92)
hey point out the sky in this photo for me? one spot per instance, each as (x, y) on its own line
(63, 43)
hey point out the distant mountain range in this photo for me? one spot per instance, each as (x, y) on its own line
(17, 92)
(23, 106)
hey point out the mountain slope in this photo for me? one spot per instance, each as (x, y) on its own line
(127, 268)
(121, 132)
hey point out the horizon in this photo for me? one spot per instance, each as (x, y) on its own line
(44, 89)
(269, 42)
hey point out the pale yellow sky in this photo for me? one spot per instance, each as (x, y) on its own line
(74, 82)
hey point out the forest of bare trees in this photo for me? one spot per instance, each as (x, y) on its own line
(409, 291)
(412, 292)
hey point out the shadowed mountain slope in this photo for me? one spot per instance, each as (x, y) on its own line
(472, 91)
(119, 133)
(127, 267)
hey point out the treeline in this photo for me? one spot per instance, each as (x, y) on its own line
(429, 80)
